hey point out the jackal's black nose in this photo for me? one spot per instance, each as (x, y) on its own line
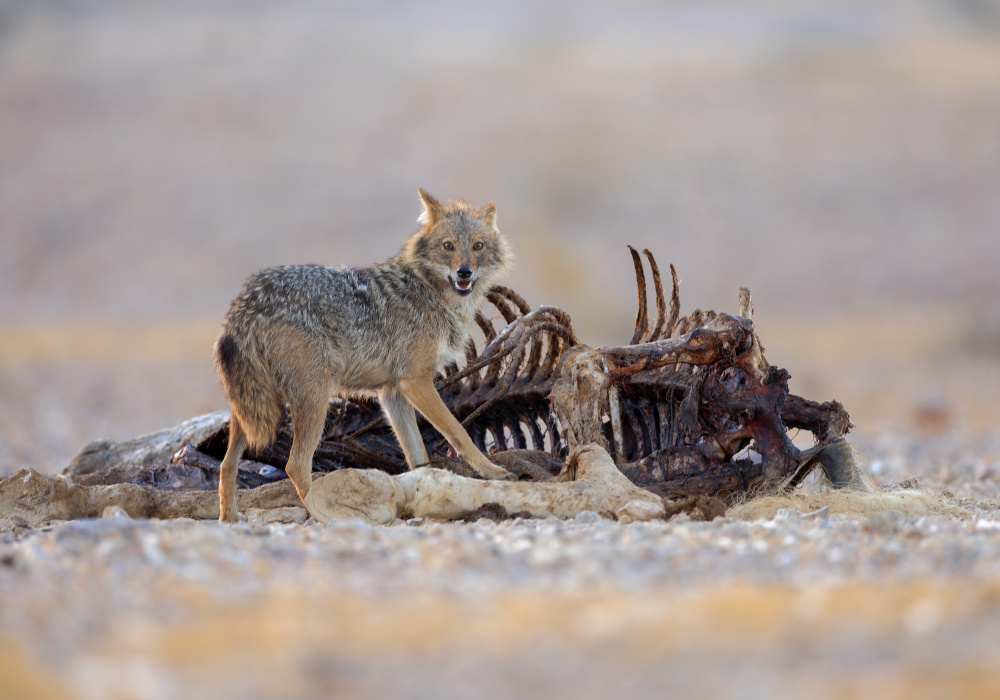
(464, 272)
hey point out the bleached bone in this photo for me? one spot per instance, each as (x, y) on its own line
(145, 450)
(31, 498)
(590, 481)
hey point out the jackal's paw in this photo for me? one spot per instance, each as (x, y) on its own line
(495, 473)
(232, 517)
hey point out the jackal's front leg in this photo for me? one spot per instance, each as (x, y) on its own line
(404, 423)
(425, 398)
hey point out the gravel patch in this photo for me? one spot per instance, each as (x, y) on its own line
(522, 608)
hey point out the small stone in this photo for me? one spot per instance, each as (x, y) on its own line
(885, 523)
(819, 513)
(587, 517)
(266, 516)
(115, 513)
(635, 511)
(13, 523)
(8, 559)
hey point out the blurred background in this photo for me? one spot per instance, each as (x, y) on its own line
(839, 158)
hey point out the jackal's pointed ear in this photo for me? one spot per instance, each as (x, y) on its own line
(490, 215)
(432, 209)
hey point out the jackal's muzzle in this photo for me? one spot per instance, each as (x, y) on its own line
(463, 280)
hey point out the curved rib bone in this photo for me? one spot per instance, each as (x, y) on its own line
(675, 305)
(661, 306)
(642, 315)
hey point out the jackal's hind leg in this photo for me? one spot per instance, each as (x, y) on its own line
(425, 398)
(228, 470)
(308, 417)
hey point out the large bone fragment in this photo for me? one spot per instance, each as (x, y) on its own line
(579, 396)
(32, 498)
(145, 450)
(590, 481)
(722, 337)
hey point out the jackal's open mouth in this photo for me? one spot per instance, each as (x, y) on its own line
(463, 287)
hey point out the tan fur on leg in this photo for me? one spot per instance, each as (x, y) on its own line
(404, 423)
(422, 394)
(307, 428)
(228, 470)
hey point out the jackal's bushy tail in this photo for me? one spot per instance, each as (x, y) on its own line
(250, 389)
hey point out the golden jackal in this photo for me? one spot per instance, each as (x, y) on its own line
(298, 334)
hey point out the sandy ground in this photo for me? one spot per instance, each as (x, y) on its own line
(840, 159)
(788, 605)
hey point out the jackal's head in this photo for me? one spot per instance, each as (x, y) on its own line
(461, 246)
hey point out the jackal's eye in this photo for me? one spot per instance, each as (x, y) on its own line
(448, 245)
(478, 245)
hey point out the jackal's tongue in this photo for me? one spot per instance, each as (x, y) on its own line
(463, 284)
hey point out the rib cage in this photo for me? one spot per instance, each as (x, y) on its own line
(508, 407)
